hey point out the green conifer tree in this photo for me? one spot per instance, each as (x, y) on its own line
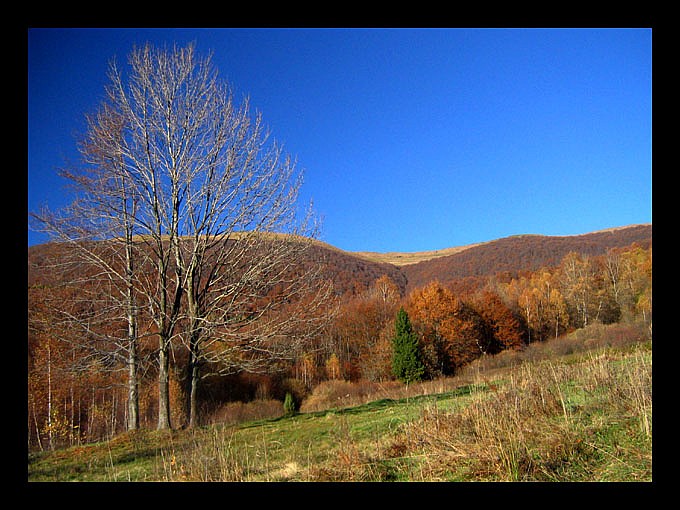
(289, 405)
(407, 365)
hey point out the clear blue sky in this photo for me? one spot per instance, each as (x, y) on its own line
(410, 139)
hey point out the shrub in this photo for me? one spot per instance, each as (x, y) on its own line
(289, 405)
(238, 412)
(297, 388)
(337, 393)
(326, 395)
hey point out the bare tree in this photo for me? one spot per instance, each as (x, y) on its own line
(239, 195)
(210, 207)
(251, 305)
(98, 227)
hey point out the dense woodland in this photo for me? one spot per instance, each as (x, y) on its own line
(501, 295)
(525, 252)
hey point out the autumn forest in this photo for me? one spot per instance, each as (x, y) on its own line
(78, 391)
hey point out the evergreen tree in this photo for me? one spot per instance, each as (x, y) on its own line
(407, 365)
(289, 405)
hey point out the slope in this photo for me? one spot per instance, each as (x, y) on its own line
(521, 253)
(554, 418)
(352, 271)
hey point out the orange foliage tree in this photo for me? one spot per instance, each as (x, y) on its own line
(451, 331)
(358, 335)
(506, 328)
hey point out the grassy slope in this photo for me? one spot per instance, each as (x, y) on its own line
(584, 416)
(406, 258)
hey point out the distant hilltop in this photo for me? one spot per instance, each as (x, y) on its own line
(520, 253)
(406, 258)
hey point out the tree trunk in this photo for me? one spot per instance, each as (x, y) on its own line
(163, 385)
(193, 376)
(195, 332)
(133, 395)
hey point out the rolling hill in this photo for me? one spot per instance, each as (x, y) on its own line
(520, 253)
(461, 269)
(509, 255)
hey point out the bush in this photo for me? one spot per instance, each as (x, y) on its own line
(336, 393)
(327, 394)
(238, 412)
(295, 387)
(289, 405)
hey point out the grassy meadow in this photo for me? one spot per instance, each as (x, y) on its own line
(574, 409)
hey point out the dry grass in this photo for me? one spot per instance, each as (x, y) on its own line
(406, 258)
(581, 419)
(337, 394)
(595, 336)
(239, 412)
(581, 416)
(547, 422)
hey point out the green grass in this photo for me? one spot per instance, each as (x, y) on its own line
(582, 417)
(276, 449)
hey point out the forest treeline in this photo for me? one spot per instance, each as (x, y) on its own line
(460, 321)
(78, 395)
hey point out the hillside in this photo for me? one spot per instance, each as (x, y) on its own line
(520, 253)
(405, 258)
(508, 255)
(347, 270)
(401, 259)
(348, 348)
(556, 417)
(352, 270)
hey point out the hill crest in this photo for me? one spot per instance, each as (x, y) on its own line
(401, 259)
(509, 255)
(514, 254)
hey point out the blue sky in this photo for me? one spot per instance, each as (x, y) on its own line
(410, 139)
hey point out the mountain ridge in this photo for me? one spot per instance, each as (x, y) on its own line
(514, 254)
(400, 259)
(510, 256)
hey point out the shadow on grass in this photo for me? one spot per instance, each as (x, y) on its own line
(385, 402)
